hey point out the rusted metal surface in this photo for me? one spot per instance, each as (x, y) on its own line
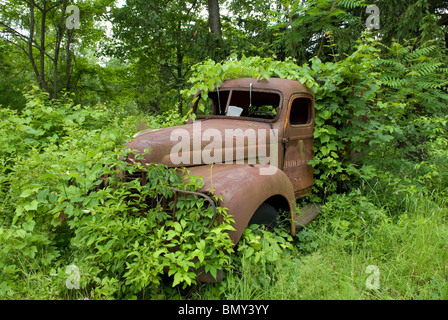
(243, 190)
(241, 186)
(295, 142)
(159, 141)
(298, 143)
(285, 86)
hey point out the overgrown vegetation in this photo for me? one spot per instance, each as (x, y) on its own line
(74, 97)
(59, 210)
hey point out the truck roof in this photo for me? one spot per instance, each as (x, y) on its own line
(286, 86)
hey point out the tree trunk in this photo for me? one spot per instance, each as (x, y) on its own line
(180, 59)
(68, 60)
(57, 47)
(39, 77)
(214, 18)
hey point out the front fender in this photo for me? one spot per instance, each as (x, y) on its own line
(244, 189)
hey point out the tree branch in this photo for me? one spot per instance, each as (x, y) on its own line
(192, 7)
(42, 43)
(59, 33)
(57, 4)
(34, 4)
(23, 38)
(30, 43)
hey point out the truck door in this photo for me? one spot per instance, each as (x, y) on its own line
(298, 143)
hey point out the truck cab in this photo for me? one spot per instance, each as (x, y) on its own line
(286, 105)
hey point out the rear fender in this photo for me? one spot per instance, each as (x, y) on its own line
(244, 189)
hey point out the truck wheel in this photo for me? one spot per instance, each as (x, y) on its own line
(265, 215)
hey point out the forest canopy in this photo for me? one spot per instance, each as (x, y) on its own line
(124, 52)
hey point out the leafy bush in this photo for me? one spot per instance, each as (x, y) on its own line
(58, 211)
(133, 245)
(255, 261)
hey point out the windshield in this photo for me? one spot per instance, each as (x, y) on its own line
(241, 104)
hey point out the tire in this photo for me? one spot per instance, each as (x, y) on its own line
(266, 215)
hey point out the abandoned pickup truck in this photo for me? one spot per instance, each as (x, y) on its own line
(253, 142)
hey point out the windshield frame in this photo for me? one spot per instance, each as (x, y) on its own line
(279, 108)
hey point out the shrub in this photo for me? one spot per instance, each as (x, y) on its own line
(57, 211)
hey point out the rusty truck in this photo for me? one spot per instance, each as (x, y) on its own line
(280, 112)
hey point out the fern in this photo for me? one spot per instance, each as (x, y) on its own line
(428, 68)
(352, 4)
(398, 66)
(428, 85)
(415, 75)
(422, 51)
(394, 83)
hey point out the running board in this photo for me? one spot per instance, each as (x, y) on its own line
(307, 214)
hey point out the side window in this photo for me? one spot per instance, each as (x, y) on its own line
(300, 111)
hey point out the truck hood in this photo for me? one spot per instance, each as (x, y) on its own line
(204, 142)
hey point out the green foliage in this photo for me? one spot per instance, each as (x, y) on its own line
(167, 119)
(161, 40)
(57, 210)
(44, 122)
(210, 74)
(415, 81)
(416, 74)
(41, 144)
(38, 31)
(347, 119)
(380, 150)
(347, 220)
(362, 102)
(304, 28)
(134, 250)
(255, 262)
(14, 76)
(260, 246)
(416, 19)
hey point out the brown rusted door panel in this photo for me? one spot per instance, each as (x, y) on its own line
(297, 155)
(298, 142)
